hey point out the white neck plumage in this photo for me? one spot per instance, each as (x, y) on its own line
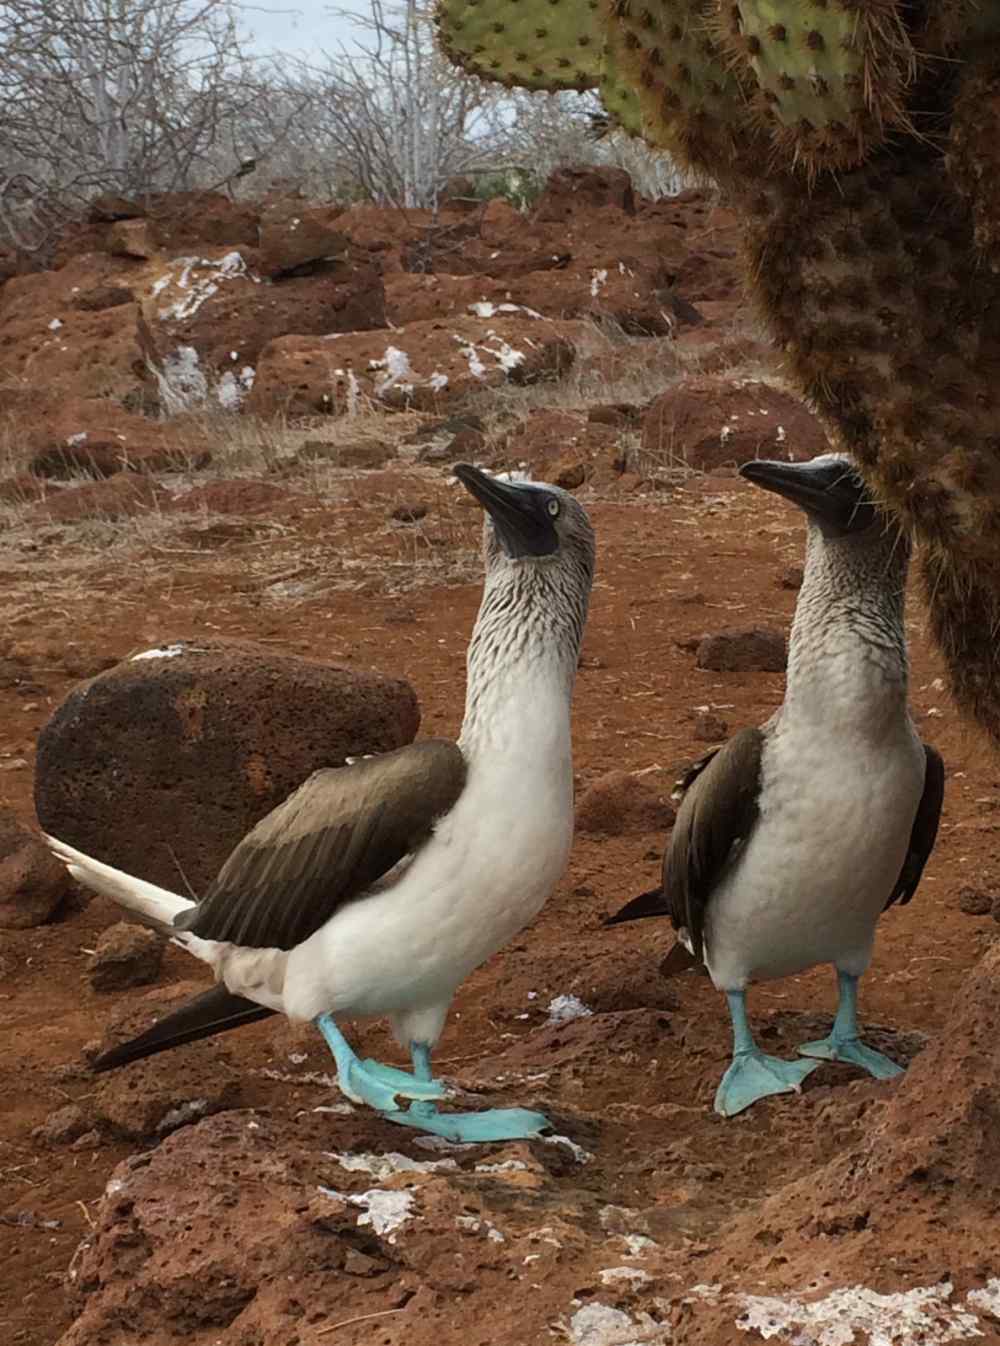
(847, 661)
(524, 650)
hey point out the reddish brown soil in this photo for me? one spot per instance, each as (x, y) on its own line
(634, 1083)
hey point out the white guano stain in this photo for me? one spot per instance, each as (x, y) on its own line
(855, 1314)
(382, 1166)
(383, 1211)
(628, 1276)
(564, 1008)
(198, 279)
(601, 1325)
(168, 652)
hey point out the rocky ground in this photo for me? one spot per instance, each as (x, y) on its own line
(225, 1193)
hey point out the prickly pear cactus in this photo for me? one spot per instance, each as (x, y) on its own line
(618, 92)
(973, 156)
(831, 79)
(692, 101)
(548, 45)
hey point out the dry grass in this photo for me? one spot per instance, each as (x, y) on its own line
(610, 367)
(345, 538)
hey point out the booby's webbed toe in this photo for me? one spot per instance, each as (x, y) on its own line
(852, 1051)
(410, 1086)
(470, 1128)
(844, 1042)
(754, 1075)
(380, 1087)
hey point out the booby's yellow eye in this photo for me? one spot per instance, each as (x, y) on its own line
(553, 507)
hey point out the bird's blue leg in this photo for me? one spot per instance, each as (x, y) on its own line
(753, 1074)
(367, 1081)
(466, 1127)
(844, 1042)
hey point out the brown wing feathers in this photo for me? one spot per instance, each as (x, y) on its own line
(718, 810)
(326, 845)
(924, 831)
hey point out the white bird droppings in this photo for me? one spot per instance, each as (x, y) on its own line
(637, 1245)
(507, 1166)
(384, 1211)
(567, 1007)
(476, 1226)
(987, 1299)
(382, 1166)
(630, 1276)
(857, 1314)
(183, 1113)
(600, 1325)
(581, 1155)
(168, 652)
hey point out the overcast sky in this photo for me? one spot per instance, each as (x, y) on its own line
(303, 27)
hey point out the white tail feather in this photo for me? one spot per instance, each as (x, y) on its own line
(156, 905)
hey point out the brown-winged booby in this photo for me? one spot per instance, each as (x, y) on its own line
(792, 839)
(378, 887)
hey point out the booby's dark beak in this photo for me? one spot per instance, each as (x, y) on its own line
(829, 489)
(520, 514)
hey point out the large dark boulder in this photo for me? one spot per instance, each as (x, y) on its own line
(163, 763)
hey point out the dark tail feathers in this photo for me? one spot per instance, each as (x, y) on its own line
(652, 903)
(215, 1011)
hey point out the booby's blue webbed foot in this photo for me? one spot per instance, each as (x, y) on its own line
(403, 1080)
(844, 1042)
(853, 1052)
(466, 1128)
(469, 1128)
(753, 1074)
(380, 1087)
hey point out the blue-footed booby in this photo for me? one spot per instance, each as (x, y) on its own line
(792, 839)
(376, 888)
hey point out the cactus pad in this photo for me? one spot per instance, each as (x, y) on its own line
(691, 100)
(532, 44)
(618, 93)
(832, 75)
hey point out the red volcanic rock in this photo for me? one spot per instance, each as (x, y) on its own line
(295, 236)
(218, 308)
(62, 436)
(145, 1099)
(84, 353)
(570, 189)
(707, 423)
(752, 649)
(621, 803)
(126, 955)
(132, 238)
(188, 222)
(32, 882)
(427, 365)
(101, 297)
(194, 742)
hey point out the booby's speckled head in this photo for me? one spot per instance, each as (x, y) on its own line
(829, 489)
(530, 521)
